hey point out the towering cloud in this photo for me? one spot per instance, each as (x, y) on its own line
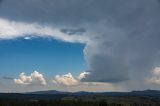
(121, 37)
(125, 43)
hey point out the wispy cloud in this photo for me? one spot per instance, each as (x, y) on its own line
(8, 78)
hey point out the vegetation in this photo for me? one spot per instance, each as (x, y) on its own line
(77, 100)
(73, 103)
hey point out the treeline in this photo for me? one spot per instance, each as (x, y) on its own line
(69, 103)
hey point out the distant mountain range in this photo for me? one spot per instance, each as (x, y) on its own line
(83, 93)
(55, 92)
(47, 92)
(58, 95)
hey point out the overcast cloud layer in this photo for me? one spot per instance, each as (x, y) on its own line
(121, 36)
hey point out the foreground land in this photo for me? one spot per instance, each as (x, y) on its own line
(52, 98)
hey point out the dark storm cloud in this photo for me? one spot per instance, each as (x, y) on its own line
(1, 1)
(124, 33)
(55, 11)
(127, 45)
(61, 11)
(78, 31)
(104, 70)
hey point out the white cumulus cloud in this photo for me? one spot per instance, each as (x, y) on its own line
(66, 80)
(83, 75)
(69, 80)
(33, 78)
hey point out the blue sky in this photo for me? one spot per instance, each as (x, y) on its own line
(50, 57)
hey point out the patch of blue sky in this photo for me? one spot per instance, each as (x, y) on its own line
(48, 56)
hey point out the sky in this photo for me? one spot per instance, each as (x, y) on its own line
(79, 45)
